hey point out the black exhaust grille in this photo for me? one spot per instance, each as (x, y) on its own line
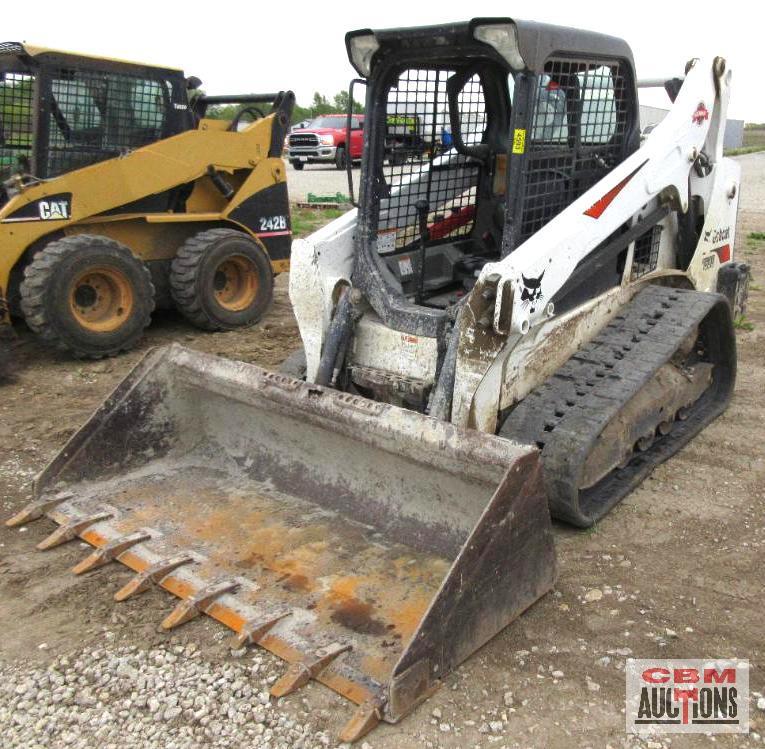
(16, 123)
(578, 132)
(646, 256)
(306, 140)
(418, 146)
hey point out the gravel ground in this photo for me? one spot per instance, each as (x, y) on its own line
(318, 179)
(169, 697)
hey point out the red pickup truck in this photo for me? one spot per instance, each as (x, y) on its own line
(324, 142)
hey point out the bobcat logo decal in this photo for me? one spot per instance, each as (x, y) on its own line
(532, 290)
(700, 115)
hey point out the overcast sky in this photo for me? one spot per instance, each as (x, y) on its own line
(243, 47)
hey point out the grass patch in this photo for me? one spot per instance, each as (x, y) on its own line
(754, 137)
(306, 221)
(757, 236)
(754, 141)
(741, 323)
(744, 150)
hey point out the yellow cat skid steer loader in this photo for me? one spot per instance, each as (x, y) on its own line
(118, 195)
(535, 283)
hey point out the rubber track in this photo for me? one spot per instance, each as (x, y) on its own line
(565, 415)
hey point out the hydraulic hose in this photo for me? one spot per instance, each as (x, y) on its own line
(337, 337)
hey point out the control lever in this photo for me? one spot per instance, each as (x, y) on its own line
(423, 208)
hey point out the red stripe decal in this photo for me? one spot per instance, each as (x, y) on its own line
(273, 233)
(597, 209)
(723, 253)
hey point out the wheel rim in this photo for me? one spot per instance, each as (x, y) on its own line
(101, 299)
(236, 283)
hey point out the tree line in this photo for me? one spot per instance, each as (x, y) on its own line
(320, 104)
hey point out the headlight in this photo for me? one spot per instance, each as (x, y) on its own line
(327, 140)
(361, 49)
(504, 38)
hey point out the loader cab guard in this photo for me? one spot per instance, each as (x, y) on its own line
(478, 135)
(60, 111)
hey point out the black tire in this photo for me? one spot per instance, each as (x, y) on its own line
(221, 279)
(87, 295)
(340, 157)
(298, 165)
(294, 365)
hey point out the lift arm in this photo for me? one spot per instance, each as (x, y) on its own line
(659, 174)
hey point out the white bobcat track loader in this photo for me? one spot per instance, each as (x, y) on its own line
(544, 253)
(525, 282)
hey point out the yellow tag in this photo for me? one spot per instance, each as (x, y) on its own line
(519, 141)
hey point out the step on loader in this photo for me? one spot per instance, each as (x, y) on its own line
(120, 194)
(524, 315)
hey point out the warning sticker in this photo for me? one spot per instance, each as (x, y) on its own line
(408, 346)
(386, 241)
(519, 140)
(405, 266)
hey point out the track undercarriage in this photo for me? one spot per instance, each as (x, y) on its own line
(654, 377)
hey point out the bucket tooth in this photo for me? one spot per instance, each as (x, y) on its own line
(109, 551)
(364, 719)
(192, 607)
(302, 671)
(35, 510)
(254, 629)
(70, 531)
(152, 574)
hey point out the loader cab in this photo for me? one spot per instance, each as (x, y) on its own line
(498, 125)
(60, 111)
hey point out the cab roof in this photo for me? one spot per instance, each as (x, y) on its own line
(32, 53)
(537, 42)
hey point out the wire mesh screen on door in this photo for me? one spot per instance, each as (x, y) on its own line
(16, 123)
(421, 163)
(95, 115)
(577, 136)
